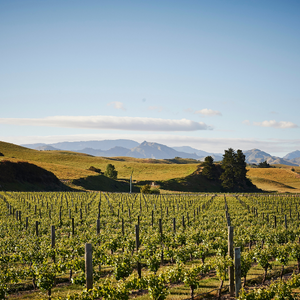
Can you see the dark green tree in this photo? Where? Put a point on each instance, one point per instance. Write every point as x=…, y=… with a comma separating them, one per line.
x=209, y=168
x=228, y=166
x=240, y=168
x=234, y=173
x=264, y=164
x=111, y=172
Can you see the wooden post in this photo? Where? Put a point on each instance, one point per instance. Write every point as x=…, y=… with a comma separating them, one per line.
x=152, y=218
x=53, y=240
x=73, y=227
x=285, y=222
x=161, y=240
x=230, y=253
x=98, y=226
x=238, y=272
x=37, y=228
x=52, y=236
x=137, y=243
x=275, y=223
x=88, y=266
x=174, y=225
x=26, y=223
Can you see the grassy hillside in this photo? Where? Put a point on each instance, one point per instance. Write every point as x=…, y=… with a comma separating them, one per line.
x=72, y=168
x=277, y=179
x=24, y=176
x=175, y=174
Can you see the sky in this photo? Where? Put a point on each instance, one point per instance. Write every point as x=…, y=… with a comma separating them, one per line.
x=211, y=75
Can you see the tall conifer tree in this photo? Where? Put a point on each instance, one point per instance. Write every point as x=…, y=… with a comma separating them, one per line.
x=228, y=166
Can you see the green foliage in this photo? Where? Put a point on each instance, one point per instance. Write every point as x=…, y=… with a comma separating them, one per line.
x=264, y=164
x=111, y=172
x=278, y=290
x=263, y=258
x=123, y=266
x=246, y=262
x=175, y=273
x=234, y=171
x=153, y=262
x=192, y=276
x=146, y=189
x=23, y=256
x=221, y=264
x=209, y=168
x=155, y=191
x=228, y=165
x=156, y=286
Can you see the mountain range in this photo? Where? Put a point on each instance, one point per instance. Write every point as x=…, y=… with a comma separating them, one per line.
x=130, y=148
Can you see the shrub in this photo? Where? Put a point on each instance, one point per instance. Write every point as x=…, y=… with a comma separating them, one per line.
x=111, y=172
x=155, y=191
x=146, y=189
x=264, y=164
x=91, y=168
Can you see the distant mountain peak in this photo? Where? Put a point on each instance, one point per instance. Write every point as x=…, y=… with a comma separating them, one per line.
x=256, y=156
x=292, y=155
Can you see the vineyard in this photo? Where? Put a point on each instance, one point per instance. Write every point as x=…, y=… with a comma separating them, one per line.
x=92, y=245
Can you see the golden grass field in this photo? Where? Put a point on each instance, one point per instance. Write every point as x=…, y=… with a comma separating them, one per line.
x=280, y=179
x=68, y=166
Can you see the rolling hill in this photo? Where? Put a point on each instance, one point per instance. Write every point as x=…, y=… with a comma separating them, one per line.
x=72, y=169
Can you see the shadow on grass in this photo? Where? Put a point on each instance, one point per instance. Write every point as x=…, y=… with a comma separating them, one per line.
x=103, y=183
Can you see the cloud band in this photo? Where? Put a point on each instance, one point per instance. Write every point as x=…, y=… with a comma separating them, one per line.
x=110, y=122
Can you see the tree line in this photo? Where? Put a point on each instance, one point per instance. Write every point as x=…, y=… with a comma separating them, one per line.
x=231, y=172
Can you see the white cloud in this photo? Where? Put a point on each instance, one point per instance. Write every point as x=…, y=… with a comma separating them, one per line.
x=208, y=112
x=275, y=124
x=247, y=122
x=117, y=105
x=110, y=122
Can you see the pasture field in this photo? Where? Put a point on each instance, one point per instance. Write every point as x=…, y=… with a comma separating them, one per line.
x=145, y=246
x=71, y=167
x=281, y=180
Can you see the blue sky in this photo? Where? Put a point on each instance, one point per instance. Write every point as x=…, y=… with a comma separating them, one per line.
x=206, y=74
